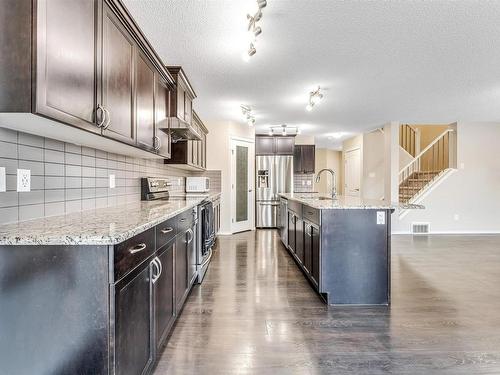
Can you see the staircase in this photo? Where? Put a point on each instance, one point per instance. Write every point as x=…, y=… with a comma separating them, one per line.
x=428, y=167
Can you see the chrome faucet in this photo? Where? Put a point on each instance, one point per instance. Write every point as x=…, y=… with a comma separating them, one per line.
x=334, y=180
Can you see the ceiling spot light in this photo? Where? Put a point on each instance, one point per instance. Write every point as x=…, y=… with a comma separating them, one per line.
x=247, y=114
x=284, y=130
x=253, y=29
x=251, y=50
x=315, y=98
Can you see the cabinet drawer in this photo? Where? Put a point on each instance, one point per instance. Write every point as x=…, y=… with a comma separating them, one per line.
x=296, y=207
x=165, y=232
x=311, y=214
x=130, y=253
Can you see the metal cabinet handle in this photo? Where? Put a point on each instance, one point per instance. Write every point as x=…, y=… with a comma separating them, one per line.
x=191, y=235
x=137, y=248
x=167, y=230
x=157, y=142
x=108, y=117
x=157, y=264
x=183, y=219
x=158, y=261
x=103, y=115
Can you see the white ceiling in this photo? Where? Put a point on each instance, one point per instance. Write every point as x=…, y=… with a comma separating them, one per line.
x=417, y=62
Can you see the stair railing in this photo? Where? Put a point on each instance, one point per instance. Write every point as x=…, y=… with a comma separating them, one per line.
x=408, y=139
x=439, y=155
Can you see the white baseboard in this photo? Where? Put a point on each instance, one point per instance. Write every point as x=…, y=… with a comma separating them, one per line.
x=452, y=232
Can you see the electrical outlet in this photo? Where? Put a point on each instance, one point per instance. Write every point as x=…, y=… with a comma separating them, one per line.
x=462, y=165
x=380, y=217
x=303, y=183
x=372, y=175
x=456, y=217
x=23, y=180
x=112, y=181
x=3, y=183
x=309, y=182
x=179, y=181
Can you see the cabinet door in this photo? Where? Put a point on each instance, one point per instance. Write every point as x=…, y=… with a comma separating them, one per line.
x=181, y=105
x=307, y=247
x=189, y=145
x=164, y=305
x=284, y=145
x=144, y=101
x=315, y=256
x=162, y=100
x=297, y=159
x=299, y=239
x=181, y=269
x=133, y=325
x=118, y=50
x=264, y=145
x=191, y=253
x=66, y=62
x=291, y=231
x=308, y=159
x=188, y=109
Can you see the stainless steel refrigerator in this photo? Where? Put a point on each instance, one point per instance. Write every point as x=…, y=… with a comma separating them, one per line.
x=274, y=174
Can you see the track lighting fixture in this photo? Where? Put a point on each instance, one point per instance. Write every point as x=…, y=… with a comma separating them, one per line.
x=315, y=97
x=247, y=114
x=284, y=130
x=253, y=29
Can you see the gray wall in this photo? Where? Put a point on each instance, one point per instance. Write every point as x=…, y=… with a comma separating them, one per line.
x=68, y=178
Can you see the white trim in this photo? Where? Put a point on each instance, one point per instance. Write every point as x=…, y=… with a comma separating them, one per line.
x=242, y=139
x=458, y=232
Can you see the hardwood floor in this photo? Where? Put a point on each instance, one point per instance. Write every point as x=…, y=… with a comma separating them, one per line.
x=256, y=314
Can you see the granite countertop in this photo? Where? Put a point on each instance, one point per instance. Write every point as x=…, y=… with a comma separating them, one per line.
x=344, y=202
x=103, y=226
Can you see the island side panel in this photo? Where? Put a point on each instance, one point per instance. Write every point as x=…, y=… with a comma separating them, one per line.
x=355, y=253
x=54, y=309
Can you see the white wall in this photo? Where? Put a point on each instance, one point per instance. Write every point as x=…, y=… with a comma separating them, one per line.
x=373, y=165
x=472, y=192
x=326, y=158
x=219, y=157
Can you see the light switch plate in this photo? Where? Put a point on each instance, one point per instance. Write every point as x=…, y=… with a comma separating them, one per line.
x=23, y=180
x=112, y=181
x=3, y=184
x=380, y=217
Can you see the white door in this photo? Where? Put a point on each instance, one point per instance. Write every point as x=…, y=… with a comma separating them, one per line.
x=352, y=173
x=242, y=185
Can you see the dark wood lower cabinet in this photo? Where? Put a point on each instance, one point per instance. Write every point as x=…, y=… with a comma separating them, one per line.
x=299, y=239
x=133, y=323
x=181, y=269
x=164, y=296
x=307, y=247
x=291, y=231
x=315, y=255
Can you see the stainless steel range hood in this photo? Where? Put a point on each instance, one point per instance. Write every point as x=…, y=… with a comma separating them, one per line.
x=181, y=130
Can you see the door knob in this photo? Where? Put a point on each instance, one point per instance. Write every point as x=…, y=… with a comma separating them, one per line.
x=250, y=190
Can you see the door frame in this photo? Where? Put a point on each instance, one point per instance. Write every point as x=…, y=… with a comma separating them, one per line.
x=358, y=149
x=250, y=223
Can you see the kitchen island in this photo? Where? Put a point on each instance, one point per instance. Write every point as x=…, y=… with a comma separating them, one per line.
x=98, y=291
x=342, y=245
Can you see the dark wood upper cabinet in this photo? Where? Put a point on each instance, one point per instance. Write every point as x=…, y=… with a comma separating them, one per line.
x=66, y=61
x=118, y=60
x=274, y=145
x=191, y=154
x=162, y=102
x=304, y=159
x=284, y=145
x=145, y=109
x=264, y=145
x=83, y=63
